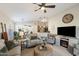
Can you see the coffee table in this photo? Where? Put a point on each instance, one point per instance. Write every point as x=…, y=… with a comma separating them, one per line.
x=46, y=52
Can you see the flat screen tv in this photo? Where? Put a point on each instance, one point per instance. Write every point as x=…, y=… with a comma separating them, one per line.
x=67, y=31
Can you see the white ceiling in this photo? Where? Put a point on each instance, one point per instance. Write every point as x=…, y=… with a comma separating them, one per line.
x=19, y=12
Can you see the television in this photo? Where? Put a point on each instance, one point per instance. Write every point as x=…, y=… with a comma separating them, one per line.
x=67, y=31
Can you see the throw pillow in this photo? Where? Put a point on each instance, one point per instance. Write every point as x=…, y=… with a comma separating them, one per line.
x=33, y=37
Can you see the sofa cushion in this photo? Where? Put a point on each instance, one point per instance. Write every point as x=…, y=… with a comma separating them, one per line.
x=33, y=43
x=3, y=48
x=10, y=45
x=3, y=51
x=33, y=37
x=16, y=51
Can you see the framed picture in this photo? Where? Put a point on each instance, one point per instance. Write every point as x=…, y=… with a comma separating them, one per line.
x=42, y=27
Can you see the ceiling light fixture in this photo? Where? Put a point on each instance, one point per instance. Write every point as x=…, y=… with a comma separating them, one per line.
x=42, y=8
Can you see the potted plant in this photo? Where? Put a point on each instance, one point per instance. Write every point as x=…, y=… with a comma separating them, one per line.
x=16, y=35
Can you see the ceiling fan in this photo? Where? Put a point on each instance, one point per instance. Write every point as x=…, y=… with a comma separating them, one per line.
x=43, y=6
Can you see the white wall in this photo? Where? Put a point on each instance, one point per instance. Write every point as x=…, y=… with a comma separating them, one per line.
x=56, y=21
x=9, y=24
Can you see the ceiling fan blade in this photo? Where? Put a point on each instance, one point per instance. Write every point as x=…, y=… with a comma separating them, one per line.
x=50, y=6
x=38, y=4
x=45, y=11
x=38, y=9
x=43, y=4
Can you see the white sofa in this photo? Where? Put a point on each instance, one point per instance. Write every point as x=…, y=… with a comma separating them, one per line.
x=34, y=42
x=16, y=51
x=39, y=40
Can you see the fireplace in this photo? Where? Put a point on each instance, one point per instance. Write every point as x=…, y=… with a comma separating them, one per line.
x=64, y=42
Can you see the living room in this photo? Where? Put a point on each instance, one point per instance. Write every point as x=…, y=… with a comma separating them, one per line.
x=43, y=29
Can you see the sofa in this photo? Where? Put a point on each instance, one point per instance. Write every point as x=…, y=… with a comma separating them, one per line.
x=39, y=39
x=34, y=42
x=15, y=51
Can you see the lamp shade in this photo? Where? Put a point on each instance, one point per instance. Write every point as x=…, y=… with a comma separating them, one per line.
x=21, y=33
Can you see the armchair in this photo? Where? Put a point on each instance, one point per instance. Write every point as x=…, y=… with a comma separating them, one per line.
x=5, y=52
